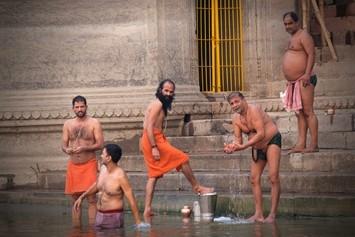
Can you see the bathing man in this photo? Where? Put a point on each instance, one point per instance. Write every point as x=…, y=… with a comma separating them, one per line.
x=297, y=67
x=112, y=185
x=265, y=140
x=159, y=156
x=82, y=136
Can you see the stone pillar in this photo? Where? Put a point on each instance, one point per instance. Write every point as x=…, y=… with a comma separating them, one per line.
x=112, y=52
x=264, y=41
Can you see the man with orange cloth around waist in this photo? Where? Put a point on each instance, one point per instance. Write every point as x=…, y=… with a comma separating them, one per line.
x=82, y=136
x=160, y=157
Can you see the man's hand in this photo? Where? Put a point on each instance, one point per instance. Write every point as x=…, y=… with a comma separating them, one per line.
x=68, y=150
x=228, y=148
x=232, y=147
x=156, y=154
x=78, y=149
x=305, y=79
x=77, y=204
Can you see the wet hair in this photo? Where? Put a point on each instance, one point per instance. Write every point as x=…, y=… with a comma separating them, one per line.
x=234, y=94
x=161, y=85
x=293, y=16
x=114, y=151
x=79, y=98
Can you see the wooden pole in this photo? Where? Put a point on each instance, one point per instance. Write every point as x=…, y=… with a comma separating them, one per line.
x=321, y=10
x=304, y=14
x=308, y=19
x=324, y=30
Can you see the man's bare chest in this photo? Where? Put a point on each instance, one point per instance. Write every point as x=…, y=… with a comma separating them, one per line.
x=80, y=132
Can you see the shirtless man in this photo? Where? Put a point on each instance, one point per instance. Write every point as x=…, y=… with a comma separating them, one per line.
x=265, y=139
x=82, y=136
x=112, y=185
x=297, y=66
x=159, y=156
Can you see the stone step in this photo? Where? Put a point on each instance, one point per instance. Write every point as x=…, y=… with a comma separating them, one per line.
x=340, y=122
x=227, y=202
x=335, y=70
x=344, y=53
x=327, y=140
x=234, y=181
x=323, y=161
x=332, y=87
x=295, y=182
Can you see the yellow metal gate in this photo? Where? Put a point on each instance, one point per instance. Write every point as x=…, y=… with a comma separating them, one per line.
x=219, y=37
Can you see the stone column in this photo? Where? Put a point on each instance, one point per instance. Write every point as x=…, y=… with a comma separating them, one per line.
x=112, y=52
x=264, y=41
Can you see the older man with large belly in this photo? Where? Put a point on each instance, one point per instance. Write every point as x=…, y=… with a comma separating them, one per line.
x=297, y=66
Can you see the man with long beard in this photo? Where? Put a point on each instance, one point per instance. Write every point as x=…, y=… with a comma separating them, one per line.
x=160, y=157
x=265, y=139
x=82, y=136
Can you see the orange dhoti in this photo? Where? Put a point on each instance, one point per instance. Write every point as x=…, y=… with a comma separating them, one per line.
x=80, y=177
x=170, y=157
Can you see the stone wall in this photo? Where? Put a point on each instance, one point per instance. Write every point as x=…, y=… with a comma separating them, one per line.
x=112, y=52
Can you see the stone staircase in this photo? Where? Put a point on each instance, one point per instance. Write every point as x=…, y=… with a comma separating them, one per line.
x=318, y=184
x=336, y=77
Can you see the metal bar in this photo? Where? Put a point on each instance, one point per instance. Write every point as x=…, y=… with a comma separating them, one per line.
x=213, y=21
x=235, y=79
x=230, y=36
x=217, y=43
x=240, y=45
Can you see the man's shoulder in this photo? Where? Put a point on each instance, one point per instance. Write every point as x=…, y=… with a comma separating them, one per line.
x=255, y=109
x=69, y=122
x=119, y=172
x=305, y=35
x=156, y=103
x=93, y=120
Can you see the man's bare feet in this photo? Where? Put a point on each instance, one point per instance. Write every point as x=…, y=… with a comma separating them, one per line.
x=199, y=189
x=296, y=149
x=256, y=218
x=148, y=213
x=311, y=149
x=270, y=219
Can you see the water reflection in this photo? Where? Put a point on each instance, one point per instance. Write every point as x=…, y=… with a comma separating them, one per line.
x=90, y=231
x=40, y=220
x=263, y=230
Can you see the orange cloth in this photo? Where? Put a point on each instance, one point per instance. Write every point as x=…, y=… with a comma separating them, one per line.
x=80, y=176
x=170, y=157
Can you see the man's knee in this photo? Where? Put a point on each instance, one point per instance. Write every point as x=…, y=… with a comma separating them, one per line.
x=274, y=179
x=255, y=180
x=308, y=113
x=91, y=200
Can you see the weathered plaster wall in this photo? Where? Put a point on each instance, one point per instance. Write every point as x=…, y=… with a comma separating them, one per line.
x=65, y=44
x=112, y=52
x=264, y=43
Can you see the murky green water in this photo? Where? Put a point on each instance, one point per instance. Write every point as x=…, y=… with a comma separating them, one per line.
x=45, y=220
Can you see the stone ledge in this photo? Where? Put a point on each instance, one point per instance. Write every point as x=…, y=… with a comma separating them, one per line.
x=227, y=203
x=179, y=108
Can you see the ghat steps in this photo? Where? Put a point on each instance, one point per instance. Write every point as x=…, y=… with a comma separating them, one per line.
x=320, y=184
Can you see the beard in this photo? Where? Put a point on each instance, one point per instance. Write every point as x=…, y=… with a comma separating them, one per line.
x=80, y=114
x=166, y=101
x=238, y=110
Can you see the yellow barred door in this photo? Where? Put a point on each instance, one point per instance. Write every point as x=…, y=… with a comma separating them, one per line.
x=219, y=38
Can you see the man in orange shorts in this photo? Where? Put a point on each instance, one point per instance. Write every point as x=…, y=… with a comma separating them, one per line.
x=82, y=136
x=160, y=157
